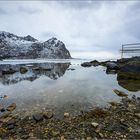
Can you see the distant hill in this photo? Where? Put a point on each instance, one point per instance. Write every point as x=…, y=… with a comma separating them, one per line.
x=13, y=46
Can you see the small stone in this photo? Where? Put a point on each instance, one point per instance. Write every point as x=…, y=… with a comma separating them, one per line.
x=12, y=121
x=137, y=115
x=24, y=136
x=31, y=134
x=66, y=115
x=101, y=135
x=122, y=120
x=11, y=107
x=48, y=115
x=5, y=114
x=62, y=138
x=94, y=124
x=113, y=103
x=10, y=126
x=89, y=138
x=2, y=109
x=55, y=133
x=131, y=107
x=19, y=130
x=130, y=129
x=38, y=117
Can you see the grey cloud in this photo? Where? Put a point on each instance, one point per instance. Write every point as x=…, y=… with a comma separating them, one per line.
x=48, y=34
x=28, y=11
x=3, y=12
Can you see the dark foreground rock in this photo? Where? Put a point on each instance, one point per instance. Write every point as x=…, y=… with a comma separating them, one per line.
x=119, y=121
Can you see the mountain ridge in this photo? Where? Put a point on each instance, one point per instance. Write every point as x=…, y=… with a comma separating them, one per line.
x=13, y=46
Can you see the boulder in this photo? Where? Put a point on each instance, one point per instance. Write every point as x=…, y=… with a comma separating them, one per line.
x=86, y=64
x=112, y=66
x=23, y=70
x=95, y=63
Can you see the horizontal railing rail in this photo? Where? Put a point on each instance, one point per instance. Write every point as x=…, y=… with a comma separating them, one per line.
x=130, y=48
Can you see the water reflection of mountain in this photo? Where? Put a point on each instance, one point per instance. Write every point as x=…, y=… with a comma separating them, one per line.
x=10, y=74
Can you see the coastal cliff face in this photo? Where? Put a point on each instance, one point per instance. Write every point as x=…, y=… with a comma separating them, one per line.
x=13, y=46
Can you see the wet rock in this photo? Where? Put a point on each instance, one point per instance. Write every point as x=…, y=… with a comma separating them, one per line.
x=94, y=63
x=2, y=109
x=11, y=107
x=38, y=117
x=112, y=65
x=94, y=124
x=48, y=115
x=23, y=70
x=120, y=93
x=86, y=64
x=10, y=122
x=117, y=127
x=4, y=97
x=109, y=71
x=10, y=71
x=72, y=69
x=36, y=68
x=5, y=114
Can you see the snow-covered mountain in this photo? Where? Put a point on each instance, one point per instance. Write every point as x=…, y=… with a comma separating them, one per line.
x=13, y=46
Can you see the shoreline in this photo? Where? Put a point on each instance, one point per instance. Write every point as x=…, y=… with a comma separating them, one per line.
x=119, y=121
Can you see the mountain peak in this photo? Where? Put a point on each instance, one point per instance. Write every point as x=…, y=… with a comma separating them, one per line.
x=13, y=46
x=30, y=38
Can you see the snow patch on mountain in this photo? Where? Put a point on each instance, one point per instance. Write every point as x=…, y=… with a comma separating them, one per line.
x=13, y=46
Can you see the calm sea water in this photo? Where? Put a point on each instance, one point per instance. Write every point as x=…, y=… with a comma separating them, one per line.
x=59, y=86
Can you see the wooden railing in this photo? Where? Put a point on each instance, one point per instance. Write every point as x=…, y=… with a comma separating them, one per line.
x=130, y=48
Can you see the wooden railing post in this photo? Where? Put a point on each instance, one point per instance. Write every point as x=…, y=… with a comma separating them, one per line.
x=122, y=52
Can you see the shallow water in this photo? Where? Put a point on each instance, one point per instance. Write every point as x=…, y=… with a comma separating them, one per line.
x=60, y=86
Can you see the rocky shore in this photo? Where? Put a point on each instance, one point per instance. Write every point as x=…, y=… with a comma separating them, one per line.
x=126, y=67
x=118, y=121
x=127, y=70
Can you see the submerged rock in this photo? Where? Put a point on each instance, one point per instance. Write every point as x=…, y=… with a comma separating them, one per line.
x=11, y=107
x=120, y=93
x=38, y=117
x=48, y=115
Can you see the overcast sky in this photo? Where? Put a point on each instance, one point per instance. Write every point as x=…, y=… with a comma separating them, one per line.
x=88, y=28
